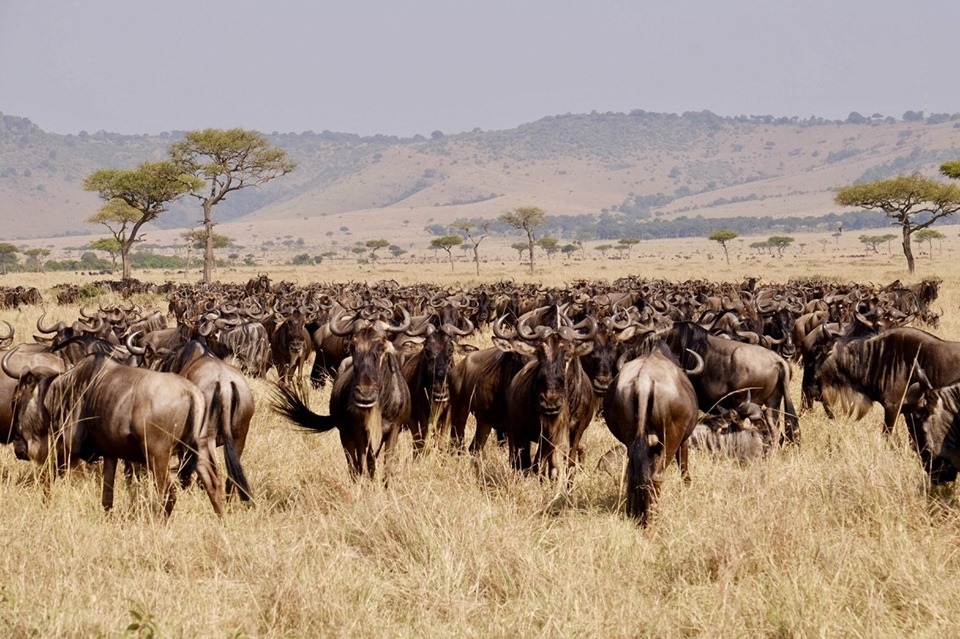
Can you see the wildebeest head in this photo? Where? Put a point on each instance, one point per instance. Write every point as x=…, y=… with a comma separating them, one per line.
x=837, y=379
x=369, y=350
x=31, y=420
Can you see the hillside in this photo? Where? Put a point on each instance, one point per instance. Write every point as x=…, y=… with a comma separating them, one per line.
x=644, y=165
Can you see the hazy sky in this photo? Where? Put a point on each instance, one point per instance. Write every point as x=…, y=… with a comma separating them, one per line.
x=402, y=67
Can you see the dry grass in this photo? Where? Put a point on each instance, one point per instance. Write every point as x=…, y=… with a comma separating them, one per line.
x=835, y=537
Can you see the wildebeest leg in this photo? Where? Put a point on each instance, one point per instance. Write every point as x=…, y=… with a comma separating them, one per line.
x=480, y=437
x=683, y=462
x=890, y=414
x=109, y=476
x=390, y=453
x=209, y=475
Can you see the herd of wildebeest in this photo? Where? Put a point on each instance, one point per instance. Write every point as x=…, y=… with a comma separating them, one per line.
x=667, y=366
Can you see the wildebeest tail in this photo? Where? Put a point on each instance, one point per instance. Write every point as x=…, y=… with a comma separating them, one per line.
x=790, y=420
x=222, y=414
x=640, y=452
x=190, y=456
x=288, y=402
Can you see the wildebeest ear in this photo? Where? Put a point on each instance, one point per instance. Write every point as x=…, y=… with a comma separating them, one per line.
x=583, y=348
x=466, y=348
x=914, y=395
x=510, y=346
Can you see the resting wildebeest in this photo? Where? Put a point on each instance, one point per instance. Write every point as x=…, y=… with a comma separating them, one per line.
x=651, y=408
x=742, y=433
x=100, y=408
x=731, y=369
x=370, y=400
x=856, y=371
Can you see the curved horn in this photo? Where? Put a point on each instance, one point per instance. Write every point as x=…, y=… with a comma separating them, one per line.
x=135, y=350
x=8, y=335
x=698, y=368
x=404, y=323
x=498, y=328
x=453, y=331
x=341, y=324
x=41, y=328
x=5, y=365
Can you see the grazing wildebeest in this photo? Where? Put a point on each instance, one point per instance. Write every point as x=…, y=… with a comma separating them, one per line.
x=229, y=402
x=652, y=409
x=370, y=400
x=100, y=408
x=550, y=401
x=731, y=369
x=857, y=371
x=933, y=422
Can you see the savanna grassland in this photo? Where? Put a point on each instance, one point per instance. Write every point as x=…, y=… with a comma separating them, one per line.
x=838, y=536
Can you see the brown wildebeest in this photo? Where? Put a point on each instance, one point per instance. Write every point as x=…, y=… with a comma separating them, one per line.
x=370, y=400
x=743, y=433
x=290, y=347
x=854, y=372
x=652, y=409
x=22, y=357
x=551, y=400
x=100, y=408
x=229, y=402
x=426, y=372
x=733, y=368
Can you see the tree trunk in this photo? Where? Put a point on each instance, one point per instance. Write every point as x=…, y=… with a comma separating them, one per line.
x=208, y=245
x=125, y=261
x=725, y=254
x=476, y=259
x=907, y=250
x=530, y=249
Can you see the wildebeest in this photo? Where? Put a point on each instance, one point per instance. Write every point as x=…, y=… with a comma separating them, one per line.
x=290, y=347
x=23, y=357
x=229, y=402
x=426, y=372
x=742, y=433
x=550, y=401
x=731, y=369
x=370, y=400
x=100, y=408
x=933, y=422
x=651, y=408
x=856, y=371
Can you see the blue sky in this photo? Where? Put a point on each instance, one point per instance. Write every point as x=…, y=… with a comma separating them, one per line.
x=407, y=67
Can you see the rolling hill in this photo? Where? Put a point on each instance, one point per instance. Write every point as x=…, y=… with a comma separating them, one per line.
x=641, y=164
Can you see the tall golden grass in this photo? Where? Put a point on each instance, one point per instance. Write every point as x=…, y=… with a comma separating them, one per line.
x=838, y=536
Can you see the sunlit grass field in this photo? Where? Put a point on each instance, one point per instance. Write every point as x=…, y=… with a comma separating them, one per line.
x=839, y=536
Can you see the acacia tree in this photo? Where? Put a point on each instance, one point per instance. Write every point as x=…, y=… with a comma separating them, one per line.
x=36, y=257
x=109, y=245
x=373, y=245
x=8, y=255
x=928, y=236
x=550, y=245
x=721, y=237
x=134, y=197
x=447, y=242
x=520, y=247
x=628, y=242
x=527, y=219
x=780, y=242
x=474, y=234
x=226, y=161
x=905, y=197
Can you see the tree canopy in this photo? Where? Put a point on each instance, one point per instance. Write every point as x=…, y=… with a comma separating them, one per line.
x=527, y=219
x=721, y=237
x=913, y=201
x=226, y=161
x=134, y=197
x=447, y=242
